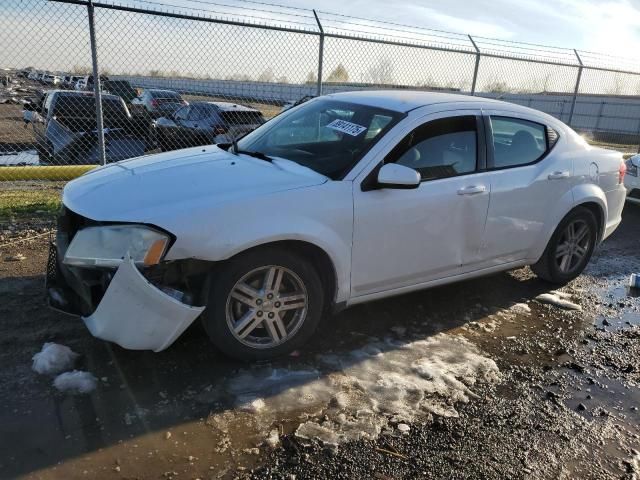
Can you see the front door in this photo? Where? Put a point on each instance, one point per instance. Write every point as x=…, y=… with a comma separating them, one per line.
x=408, y=237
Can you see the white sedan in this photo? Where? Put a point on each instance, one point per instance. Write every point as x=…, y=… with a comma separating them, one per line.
x=343, y=199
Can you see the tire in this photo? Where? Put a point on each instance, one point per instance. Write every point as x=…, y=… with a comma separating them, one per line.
x=264, y=317
x=553, y=266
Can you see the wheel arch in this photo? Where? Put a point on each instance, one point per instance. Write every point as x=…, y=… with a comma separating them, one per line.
x=319, y=257
x=588, y=196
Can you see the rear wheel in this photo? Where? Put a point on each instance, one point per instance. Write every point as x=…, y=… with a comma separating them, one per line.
x=569, y=249
x=263, y=304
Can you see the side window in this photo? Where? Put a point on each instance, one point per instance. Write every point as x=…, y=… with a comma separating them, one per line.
x=517, y=142
x=196, y=113
x=182, y=113
x=439, y=149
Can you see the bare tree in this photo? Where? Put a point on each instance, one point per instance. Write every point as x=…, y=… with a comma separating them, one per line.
x=339, y=74
x=381, y=73
x=80, y=70
x=311, y=77
x=267, y=76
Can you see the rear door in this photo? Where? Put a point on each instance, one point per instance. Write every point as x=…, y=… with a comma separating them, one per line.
x=528, y=180
x=198, y=125
x=176, y=135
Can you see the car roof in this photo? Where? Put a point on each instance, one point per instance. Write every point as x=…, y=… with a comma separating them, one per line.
x=406, y=100
x=228, y=106
x=162, y=90
x=68, y=93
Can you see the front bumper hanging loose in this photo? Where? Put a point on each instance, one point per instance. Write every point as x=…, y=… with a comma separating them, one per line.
x=137, y=315
x=133, y=312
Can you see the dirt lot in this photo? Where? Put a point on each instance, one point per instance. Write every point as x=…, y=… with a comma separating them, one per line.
x=473, y=380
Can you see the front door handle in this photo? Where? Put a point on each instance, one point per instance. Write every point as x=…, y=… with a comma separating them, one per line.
x=472, y=190
x=558, y=175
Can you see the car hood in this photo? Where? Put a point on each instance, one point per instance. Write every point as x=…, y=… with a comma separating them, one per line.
x=152, y=188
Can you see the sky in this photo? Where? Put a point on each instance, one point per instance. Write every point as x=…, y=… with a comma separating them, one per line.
x=610, y=27
x=53, y=36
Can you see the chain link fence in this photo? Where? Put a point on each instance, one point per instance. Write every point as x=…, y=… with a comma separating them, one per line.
x=175, y=76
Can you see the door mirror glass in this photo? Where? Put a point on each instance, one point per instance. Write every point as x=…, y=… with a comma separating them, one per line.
x=393, y=175
x=635, y=161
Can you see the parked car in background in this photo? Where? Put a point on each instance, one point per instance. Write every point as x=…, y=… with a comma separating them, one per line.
x=81, y=84
x=632, y=179
x=295, y=103
x=121, y=88
x=51, y=79
x=347, y=198
x=69, y=81
x=158, y=103
x=86, y=82
x=206, y=123
x=65, y=129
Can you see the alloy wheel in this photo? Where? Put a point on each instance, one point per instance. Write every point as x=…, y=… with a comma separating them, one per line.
x=573, y=246
x=266, y=307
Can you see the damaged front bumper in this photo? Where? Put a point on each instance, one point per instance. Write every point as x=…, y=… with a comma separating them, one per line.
x=132, y=312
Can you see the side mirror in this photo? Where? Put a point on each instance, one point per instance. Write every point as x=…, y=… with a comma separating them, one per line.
x=635, y=161
x=28, y=106
x=393, y=175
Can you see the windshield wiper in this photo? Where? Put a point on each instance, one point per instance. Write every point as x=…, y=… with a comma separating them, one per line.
x=259, y=155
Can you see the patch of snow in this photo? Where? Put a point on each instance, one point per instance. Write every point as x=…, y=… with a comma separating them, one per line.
x=358, y=393
x=489, y=325
x=273, y=440
x=75, y=382
x=314, y=431
x=403, y=427
x=520, y=308
x=29, y=157
x=558, y=299
x=53, y=359
x=251, y=405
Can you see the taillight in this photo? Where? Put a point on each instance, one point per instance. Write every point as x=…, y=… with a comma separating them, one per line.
x=621, y=172
x=220, y=129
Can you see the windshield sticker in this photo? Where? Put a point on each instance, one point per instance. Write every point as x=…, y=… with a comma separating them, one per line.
x=349, y=128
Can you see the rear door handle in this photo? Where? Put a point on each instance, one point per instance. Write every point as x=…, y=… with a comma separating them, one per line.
x=558, y=175
x=472, y=190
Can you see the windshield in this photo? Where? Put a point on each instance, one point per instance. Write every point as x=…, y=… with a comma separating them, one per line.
x=325, y=135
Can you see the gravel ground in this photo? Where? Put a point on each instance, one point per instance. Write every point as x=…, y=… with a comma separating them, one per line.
x=564, y=405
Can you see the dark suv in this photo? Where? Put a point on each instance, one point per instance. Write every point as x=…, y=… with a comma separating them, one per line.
x=65, y=129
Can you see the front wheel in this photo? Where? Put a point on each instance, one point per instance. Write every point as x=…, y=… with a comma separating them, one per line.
x=263, y=304
x=569, y=249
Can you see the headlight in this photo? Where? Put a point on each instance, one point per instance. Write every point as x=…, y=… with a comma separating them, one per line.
x=106, y=246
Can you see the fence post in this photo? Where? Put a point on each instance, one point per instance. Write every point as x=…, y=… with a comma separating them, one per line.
x=475, y=70
x=320, y=55
x=577, y=89
x=96, y=85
